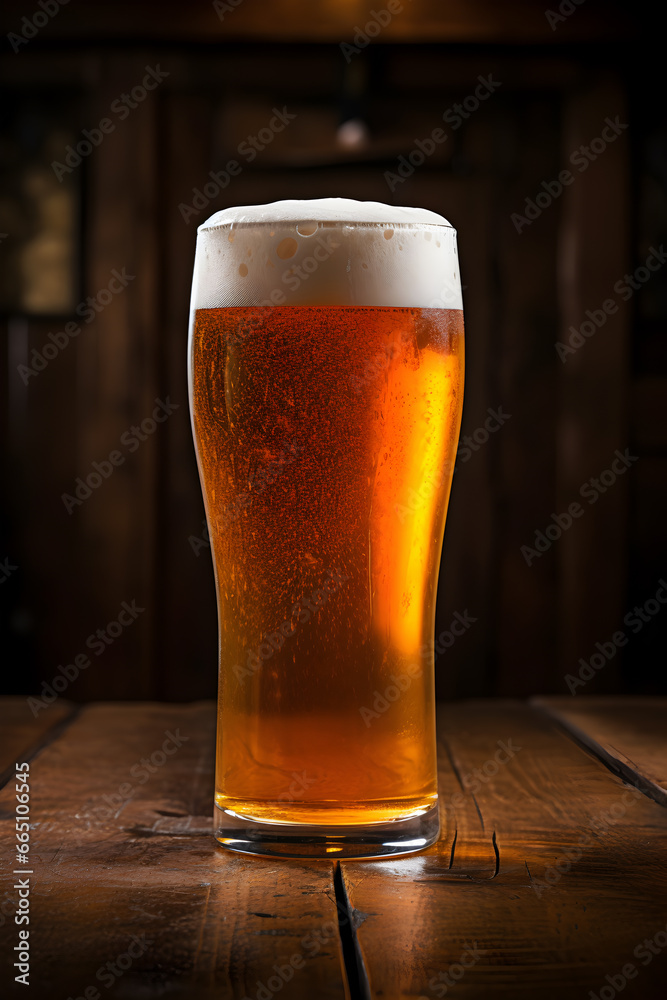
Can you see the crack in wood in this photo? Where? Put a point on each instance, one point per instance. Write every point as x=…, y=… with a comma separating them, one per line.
x=479, y=811
x=589, y=744
x=148, y=831
x=497, y=854
x=452, y=762
x=49, y=737
x=528, y=870
x=451, y=856
x=358, y=983
x=455, y=769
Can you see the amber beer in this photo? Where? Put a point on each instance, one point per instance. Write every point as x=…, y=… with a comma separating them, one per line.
x=321, y=407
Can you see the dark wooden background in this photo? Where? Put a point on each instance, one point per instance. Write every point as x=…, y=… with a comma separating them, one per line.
x=120, y=209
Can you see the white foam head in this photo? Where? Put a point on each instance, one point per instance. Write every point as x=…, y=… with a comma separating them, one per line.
x=330, y=251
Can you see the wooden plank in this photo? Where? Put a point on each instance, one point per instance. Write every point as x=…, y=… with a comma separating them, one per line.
x=629, y=734
x=22, y=733
x=524, y=928
x=118, y=851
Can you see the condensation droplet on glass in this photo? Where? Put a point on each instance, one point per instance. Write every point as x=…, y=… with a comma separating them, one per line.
x=287, y=248
x=306, y=229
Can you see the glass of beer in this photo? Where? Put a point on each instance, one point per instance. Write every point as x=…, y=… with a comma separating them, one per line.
x=326, y=384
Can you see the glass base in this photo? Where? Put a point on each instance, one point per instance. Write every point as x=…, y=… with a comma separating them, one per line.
x=281, y=840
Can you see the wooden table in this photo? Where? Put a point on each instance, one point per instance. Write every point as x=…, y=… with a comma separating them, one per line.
x=550, y=879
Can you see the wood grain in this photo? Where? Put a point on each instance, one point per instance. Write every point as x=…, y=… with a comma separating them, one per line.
x=594, y=382
x=112, y=862
x=629, y=735
x=22, y=733
x=525, y=385
x=493, y=891
x=548, y=878
x=118, y=385
x=186, y=590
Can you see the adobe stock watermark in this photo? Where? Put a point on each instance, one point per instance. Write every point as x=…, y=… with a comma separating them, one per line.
x=302, y=611
x=88, y=309
x=469, y=444
x=399, y=683
x=591, y=491
x=97, y=642
x=6, y=570
x=141, y=772
x=120, y=107
x=635, y=620
x=599, y=825
x=310, y=945
x=378, y=19
x=580, y=158
x=444, y=981
x=383, y=700
x=625, y=288
x=454, y=116
x=293, y=276
x=259, y=481
x=458, y=627
x=300, y=782
x=130, y=439
x=222, y=7
x=376, y=366
x=645, y=952
x=8, y=907
x=30, y=26
x=110, y=972
x=473, y=780
x=565, y=9
x=247, y=149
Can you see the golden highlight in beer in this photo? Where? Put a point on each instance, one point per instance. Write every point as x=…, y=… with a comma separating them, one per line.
x=320, y=412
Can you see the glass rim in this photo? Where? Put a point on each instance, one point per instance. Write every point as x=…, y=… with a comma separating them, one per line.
x=340, y=223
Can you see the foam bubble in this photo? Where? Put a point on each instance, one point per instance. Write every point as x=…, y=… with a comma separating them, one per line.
x=331, y=251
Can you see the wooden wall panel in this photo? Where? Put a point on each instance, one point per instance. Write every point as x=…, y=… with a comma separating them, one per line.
x=593, y=413
x=130, y=539
x=186, y=643
x=525, y=380
x=117, y=383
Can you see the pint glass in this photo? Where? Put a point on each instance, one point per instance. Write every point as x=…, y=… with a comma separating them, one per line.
x=326, y=382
